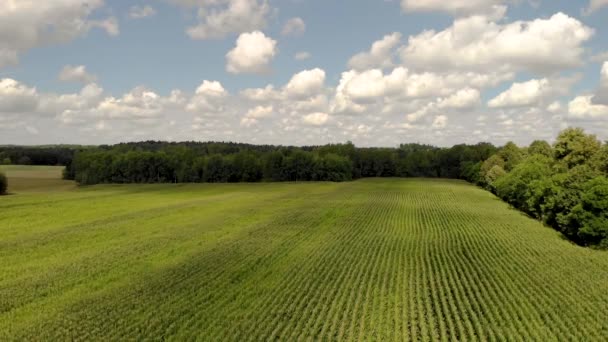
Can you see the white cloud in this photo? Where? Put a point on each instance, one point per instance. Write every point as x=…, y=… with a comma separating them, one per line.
x=303, y=55
x=255, y=114
x=583, y=108
x=478, y=44
x=209, y=98
x=16, y=97
x=294, y=27
x=139, y=12
x=138, y=103
x=26, y=24
x=521, y=94
x=380, y=54
x=534, y=92
x=454, y=7
x=463, y=99
x=316, y=119
x=260, y=112
x=305, y=83
x=594, y=5
x=69, y=106
x=371, y=86
x=77, y=74
x=252, y=54
x=218, y=18
x=262, y=94
x=440, y=122
x=555, y=107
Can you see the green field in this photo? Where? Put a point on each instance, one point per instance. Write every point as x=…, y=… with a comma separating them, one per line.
x=377, y=259
x=25, y=178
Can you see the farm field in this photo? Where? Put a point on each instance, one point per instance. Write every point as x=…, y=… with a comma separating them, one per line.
x=375, y=259
x=29, y=178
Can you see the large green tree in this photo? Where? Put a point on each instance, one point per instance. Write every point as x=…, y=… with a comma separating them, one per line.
x=574, y=147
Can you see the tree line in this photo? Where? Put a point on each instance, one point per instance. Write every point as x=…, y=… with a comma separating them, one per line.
x=158, y=162
x=37, y=155
x=564, y=185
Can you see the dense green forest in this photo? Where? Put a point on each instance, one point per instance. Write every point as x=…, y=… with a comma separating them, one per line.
x=565, y=184
x=157, y=162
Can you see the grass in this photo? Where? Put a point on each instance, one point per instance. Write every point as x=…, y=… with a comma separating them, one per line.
x=26, y=178
x=367, y=260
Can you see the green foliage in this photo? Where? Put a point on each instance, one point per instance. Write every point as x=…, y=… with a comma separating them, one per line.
x=491, y=169
x=591, y=214
x=574, y=147
x=514, y=187
x=540, y=147
x=512, y=155
x=3, y=184
x=471, y=172
x=565, y=188
x=332, y=167
x=157, y=162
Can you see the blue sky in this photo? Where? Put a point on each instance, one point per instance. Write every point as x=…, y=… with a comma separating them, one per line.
x=519, y=71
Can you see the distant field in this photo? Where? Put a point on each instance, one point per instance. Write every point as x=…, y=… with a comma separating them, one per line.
x=381, y=259
x=27, y=178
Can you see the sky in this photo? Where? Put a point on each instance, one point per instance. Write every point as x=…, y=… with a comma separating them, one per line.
x=302, y=72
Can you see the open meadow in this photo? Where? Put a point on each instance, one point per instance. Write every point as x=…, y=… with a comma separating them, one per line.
x=35, y=178
x=374, y=259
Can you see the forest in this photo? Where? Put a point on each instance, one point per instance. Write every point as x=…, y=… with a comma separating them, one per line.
x=564, y=185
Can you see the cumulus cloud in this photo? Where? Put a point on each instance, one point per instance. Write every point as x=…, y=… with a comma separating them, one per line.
x=209, y=98
x=463, y=99
x=260, y=112
x=478, y=44
x=252, y=54
x=582, y=107
x=16, y=97
x=138, y=103
x=454, y=7
x=26, y=24
x=521, y=94
x=531, y=93
x=262, y=94
x=255, y=114
x=555, y=107
x=71, y=108
x=356, y=89
x=140, y=12
x=316, y=119
x=380, y=54
x=294, y=27
x=305, y=83
x=78, y=74
x=219, y=18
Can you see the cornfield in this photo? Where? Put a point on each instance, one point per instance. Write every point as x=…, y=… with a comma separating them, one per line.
x=429, y=260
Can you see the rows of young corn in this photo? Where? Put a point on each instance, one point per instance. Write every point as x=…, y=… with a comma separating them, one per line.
x=370, y=260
